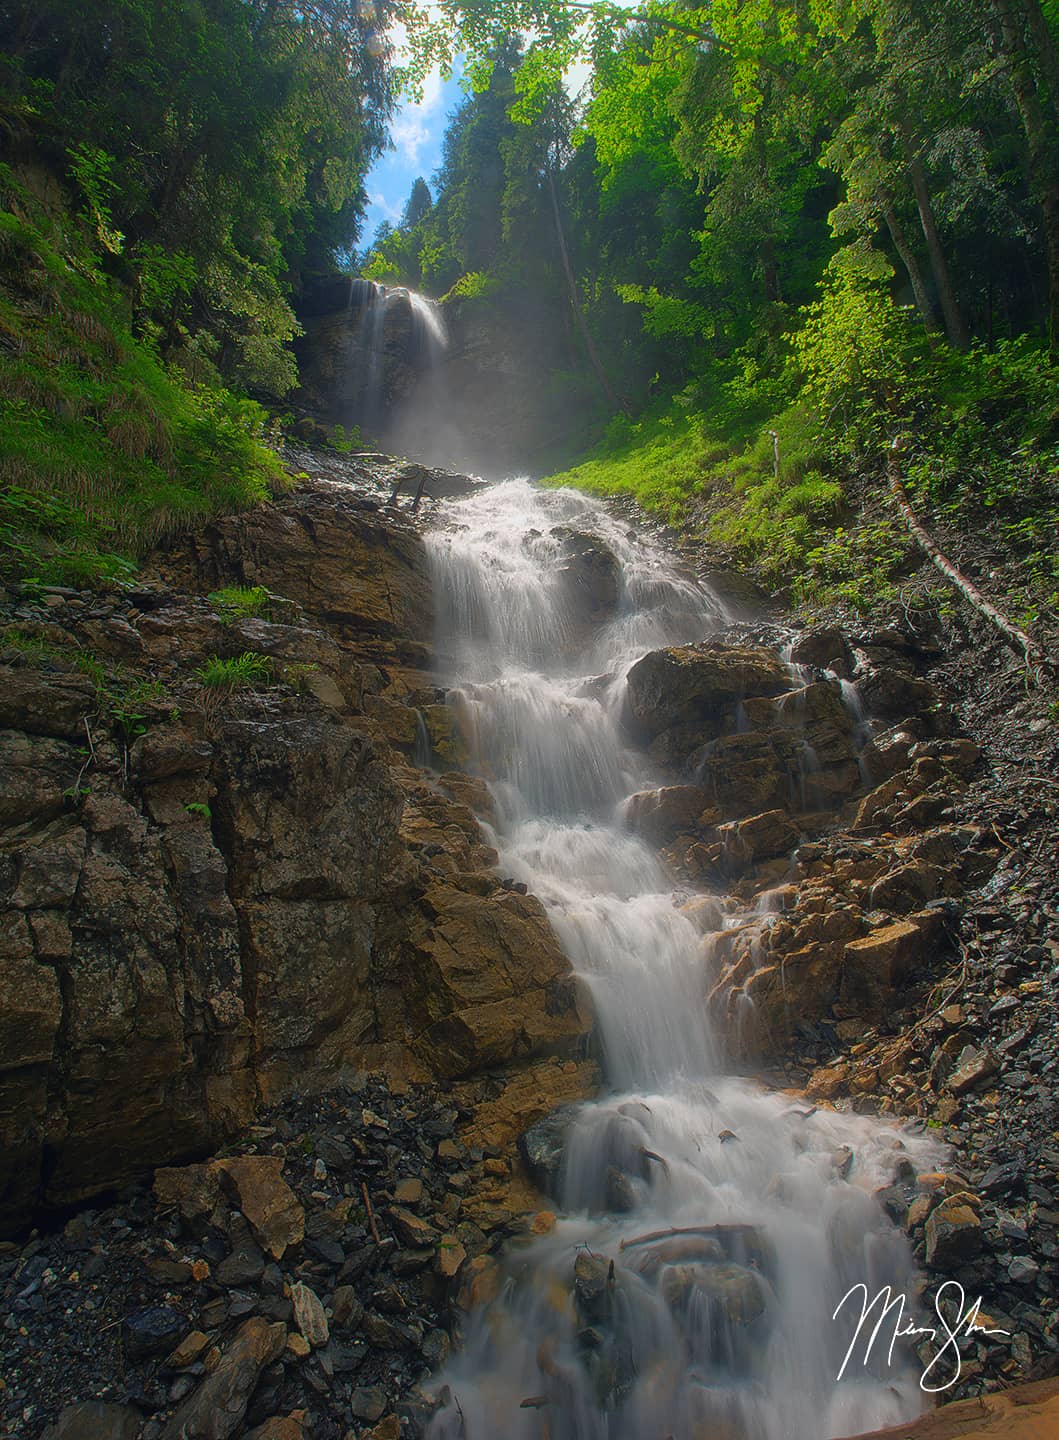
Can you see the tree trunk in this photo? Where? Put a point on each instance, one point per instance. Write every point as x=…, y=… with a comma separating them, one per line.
x=1043, y=153
x=955, y=328
x=575, y=300
x=1047, y=54
x=911, y=264
x=1031, y=651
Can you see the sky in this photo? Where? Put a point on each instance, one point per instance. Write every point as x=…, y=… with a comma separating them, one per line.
x=416, y=132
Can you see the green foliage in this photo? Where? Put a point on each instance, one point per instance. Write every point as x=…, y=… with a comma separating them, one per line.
x=345, y=439
x=235, y=602
x=196, y=807
x=243, y=672
x=217, y=153
x=659, y=460
x=104, y=450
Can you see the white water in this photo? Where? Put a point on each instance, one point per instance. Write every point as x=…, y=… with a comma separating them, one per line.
x=541, y=694
x=427, y=341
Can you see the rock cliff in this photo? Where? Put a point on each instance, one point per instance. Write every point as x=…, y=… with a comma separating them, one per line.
x=223, y=885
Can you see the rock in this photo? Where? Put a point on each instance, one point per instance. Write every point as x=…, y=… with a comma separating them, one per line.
x=760, y=837
x=193, y=1345
x=589, y=575
x=215, y=1410
x=487, y=984
x=346, y=1309
x=974, y=1067
x=278, y=1428
x=450, y=1257
x=151, y=1331
x=408, y=1192
x=953, y=1234
x=820, y=647
x=368, y=1402
x=411, y=1229
x=876, y=966
x=1023, y=1270
x=695, y=684
x=309, y=1314
x=659, y=816
x=731, y=1290
x=269, y=1204
x=348, y=566
x=95, y=1420
x=542, y=1145
x=895, y=695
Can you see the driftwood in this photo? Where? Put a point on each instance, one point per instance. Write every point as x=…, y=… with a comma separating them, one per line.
x=709, y=1230
x=370, y=1212
x=1033, y=655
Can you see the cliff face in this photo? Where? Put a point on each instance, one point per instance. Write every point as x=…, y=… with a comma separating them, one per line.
x=214, y=897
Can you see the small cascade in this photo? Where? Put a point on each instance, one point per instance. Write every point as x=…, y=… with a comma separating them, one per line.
x=709, y=1227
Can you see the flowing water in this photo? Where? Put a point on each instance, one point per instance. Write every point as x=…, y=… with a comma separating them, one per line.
x=375, y=310
x=724, y=1329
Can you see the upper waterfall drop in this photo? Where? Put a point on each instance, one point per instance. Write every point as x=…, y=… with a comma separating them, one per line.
x=710, y=1232
x=396, y=340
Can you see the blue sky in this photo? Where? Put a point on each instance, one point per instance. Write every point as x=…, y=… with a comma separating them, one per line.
x=416, y=132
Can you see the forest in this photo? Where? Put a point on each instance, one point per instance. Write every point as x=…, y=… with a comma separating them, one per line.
x=764, y=241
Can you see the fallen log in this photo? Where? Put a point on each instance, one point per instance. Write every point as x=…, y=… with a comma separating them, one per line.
x=1033, y=655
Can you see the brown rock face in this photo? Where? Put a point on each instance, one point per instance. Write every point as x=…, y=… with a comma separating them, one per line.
x=330, y=550
x=877, y=965
x=253, y=894
x=487, y=982
x=659, y=816
x=695, y=683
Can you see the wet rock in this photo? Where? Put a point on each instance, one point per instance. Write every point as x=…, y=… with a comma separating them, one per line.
x=95, y=1420
x=821, y=647
x=695, y=684
x=215, y=1410
x=659, y=816
x=278, y=1428
x=542, y=1145
x=953, y=1234
x=731, y=1290
x=489, y=980
x=589, y=574
x=874, y=967
x=760, y=837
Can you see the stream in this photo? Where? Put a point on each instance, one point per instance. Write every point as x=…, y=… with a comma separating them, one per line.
x=709, y=1227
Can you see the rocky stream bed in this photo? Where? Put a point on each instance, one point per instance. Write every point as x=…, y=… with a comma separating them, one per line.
x=258, y=936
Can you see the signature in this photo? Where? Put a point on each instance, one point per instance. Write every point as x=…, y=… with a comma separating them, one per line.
x=887, y=1307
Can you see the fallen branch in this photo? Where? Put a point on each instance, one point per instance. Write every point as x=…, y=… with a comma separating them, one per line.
x=710, y=1230
x=1032, y=653
x=370, y=1212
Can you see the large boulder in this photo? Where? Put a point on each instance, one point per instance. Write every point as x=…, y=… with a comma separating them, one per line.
x=659, y=816
x=349, y=565
x=486, y=982
x=697, y=684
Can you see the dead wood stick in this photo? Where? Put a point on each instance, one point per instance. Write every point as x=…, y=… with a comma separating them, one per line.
x=681, y=1230
x=371, y=1213
x=534, y=1402
x=1033, y=655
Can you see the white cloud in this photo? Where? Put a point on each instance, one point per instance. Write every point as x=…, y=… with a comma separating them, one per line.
x=390, y=211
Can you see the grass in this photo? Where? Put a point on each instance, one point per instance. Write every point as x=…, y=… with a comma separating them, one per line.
x=243, y=672
x=123, y=699
x=103, y=449
x=237, y=602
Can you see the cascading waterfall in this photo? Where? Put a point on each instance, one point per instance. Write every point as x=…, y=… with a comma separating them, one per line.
x=710, y=1227
x=379, y=312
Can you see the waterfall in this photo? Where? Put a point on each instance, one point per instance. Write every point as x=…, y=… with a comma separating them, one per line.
x=710, y=1227
x=399, y=340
